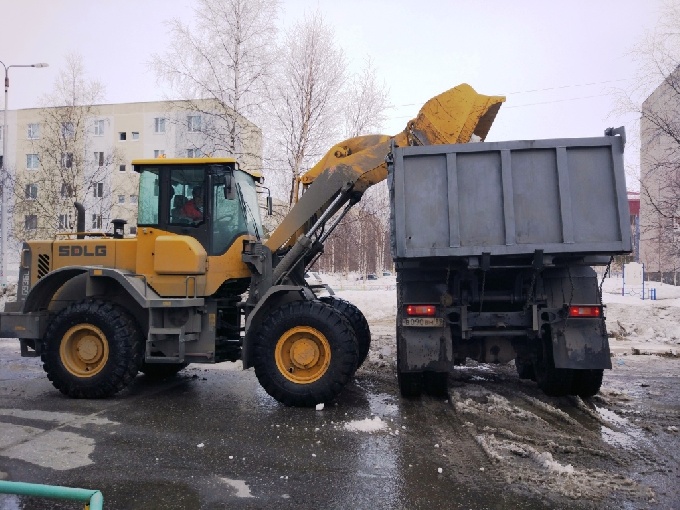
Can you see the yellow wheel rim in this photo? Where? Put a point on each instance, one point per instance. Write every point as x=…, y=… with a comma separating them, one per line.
x=303, y=354
x=84, y=350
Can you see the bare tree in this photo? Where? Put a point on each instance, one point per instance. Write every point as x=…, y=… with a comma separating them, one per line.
x=306, y=106
x=221, y=67
x=63, y=167
x=366, y=102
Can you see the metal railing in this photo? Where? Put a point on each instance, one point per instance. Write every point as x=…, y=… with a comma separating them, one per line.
x=94, y=499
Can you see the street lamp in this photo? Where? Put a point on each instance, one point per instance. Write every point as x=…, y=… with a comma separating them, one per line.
x=3, y=177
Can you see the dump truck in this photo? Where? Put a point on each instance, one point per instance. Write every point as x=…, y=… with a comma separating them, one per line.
x=200, y=283
x=494, y=246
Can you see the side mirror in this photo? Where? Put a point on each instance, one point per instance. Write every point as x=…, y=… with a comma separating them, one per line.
x=229, y=191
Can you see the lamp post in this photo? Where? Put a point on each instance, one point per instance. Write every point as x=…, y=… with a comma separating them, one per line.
x=3, y=177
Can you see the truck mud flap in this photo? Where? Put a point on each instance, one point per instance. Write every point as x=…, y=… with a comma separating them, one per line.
x=424, y=349
x=580, y=344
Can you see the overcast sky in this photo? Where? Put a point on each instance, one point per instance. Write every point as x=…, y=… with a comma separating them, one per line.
x=555, y=61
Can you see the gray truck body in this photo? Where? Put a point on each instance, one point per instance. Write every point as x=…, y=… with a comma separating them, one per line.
x=561, y=196
x=499, y=239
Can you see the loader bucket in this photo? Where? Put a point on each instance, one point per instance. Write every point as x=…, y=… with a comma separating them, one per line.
x=454, y=116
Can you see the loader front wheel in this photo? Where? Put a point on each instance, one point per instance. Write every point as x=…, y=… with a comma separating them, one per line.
x=356, y=320
x=305, y=353
x=92, y=349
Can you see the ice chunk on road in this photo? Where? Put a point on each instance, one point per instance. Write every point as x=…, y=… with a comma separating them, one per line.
x=367, y=425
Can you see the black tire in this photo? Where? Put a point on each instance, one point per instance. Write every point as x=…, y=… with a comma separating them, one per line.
x=356, y=320
x=92, y=349
x=326, y=358
x=554, y=382
x=158, y=371
x=436, y=383
x=525, y=369
x=410, y=383
x=587, y=383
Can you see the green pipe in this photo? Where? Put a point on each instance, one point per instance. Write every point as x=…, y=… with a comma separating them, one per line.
x=94, y=498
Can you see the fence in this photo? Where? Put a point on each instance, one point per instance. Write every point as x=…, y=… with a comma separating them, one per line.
x=94, y=499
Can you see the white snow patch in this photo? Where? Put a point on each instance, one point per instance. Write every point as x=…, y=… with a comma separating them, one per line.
x=242, y=489
x=367, y=425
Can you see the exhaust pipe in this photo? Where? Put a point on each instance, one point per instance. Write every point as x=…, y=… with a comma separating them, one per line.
x=80, y=220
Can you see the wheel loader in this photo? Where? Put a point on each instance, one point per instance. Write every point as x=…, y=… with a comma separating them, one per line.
x=209, y=287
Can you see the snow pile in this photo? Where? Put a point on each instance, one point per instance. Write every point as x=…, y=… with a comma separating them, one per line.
x=369, y=425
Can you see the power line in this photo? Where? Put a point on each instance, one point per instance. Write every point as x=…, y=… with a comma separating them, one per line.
x=560, y=87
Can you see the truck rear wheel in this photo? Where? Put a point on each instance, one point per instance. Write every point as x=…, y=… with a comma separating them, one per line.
x=305, y=353
x=554, y=382
x=92, y=349
x=525, y=369
x=587, y=383
x=356, y=320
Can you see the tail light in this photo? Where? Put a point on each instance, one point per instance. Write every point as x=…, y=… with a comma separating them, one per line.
x=421, y=310
x=585, y=311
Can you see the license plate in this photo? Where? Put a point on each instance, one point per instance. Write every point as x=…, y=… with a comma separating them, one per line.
x=423, y=322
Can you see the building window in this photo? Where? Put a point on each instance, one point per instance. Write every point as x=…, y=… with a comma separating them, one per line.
x=99, y=128
x=30, y=222
x=159, y=153
x=194, y=123
x=32, y=161
x=159, y=125
x=65, y=221
x=135, y=135
x=121, y=168
x=66, y=159
x=133, y=230
x=96, y=221
x=193, y=153
x=122, y=136
x=99, y=158
x=31, y=191
x=68, y=130
x=133, y=199
x=33, y=131
x=98, y=189
x=121, y=199
x=66, y=190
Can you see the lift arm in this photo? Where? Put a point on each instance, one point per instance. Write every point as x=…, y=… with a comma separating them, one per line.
x=351, y=167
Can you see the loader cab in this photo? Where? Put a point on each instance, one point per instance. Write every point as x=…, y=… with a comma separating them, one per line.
x=209, y=199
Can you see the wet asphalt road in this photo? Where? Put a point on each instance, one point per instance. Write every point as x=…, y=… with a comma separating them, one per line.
x=213, y=439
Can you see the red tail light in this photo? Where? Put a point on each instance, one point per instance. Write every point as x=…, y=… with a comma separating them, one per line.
x=585, y=311
x=421, y=310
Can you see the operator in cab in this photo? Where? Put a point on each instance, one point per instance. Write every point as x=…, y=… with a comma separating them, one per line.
x=193, y=209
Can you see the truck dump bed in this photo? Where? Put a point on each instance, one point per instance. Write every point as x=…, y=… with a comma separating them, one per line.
x=562, y=196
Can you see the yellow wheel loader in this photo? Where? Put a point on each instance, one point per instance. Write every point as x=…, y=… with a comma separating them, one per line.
x=200, y=284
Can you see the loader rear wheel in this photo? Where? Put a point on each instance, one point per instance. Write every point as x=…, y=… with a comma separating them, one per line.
x=305, y=353
x=436, y=383
x=158, y=371
x=587, y=383
x=356, y=320
x=92, y=349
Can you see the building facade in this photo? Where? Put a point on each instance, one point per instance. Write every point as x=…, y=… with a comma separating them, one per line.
x=659, y=181
x=97, y=170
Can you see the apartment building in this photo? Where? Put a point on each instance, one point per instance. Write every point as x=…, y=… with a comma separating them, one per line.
x=659, y=222
x=112, y=136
